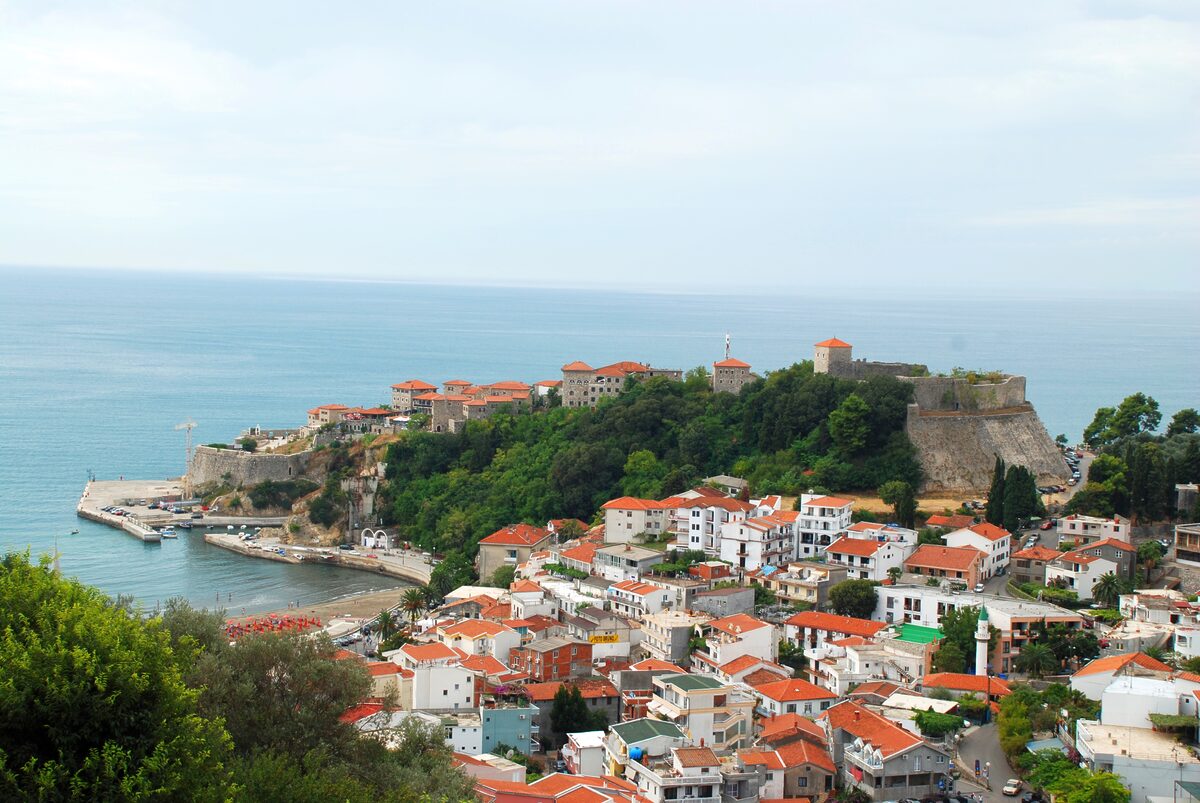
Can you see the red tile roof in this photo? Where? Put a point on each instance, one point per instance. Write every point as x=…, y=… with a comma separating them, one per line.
x=539, y=692
x=521, y=586
x=636, y=587
x=731, y=363
x=959, y=681
x=632, y=503
x=883, y=734
x=379, y=669
x=785, y=726
x=828, y=501
x=989, y=531
x=655, y=665
x=696, y=757
x=584, y=553
x=792, y=689
x=518, y=535
x=1115, y=663
x=434, y=651
x=958, y=522
x=957, y=558
x=833, y=343
x=360, y=711
x=836, y=624
x=1113, y=542
x=878, y=688
x=1038, y=552
x=578, y=365
x=474, y=628
x=737, y=624
x=861, y=547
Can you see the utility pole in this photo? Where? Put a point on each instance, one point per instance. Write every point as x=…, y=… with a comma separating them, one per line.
x=187, y=426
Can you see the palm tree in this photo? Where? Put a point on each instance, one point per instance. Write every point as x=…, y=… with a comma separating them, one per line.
x=1036, y=660
x=1107, y=589
x=386, y=623
x=413, y=603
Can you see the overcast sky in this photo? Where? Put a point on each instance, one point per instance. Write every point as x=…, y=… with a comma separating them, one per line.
x=636, y=144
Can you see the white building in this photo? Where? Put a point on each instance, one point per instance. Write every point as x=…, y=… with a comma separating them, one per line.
x=994, y=542
x=1148, y=762
x=636, y=599
x=479, y=637
x=618, y=562
x=711, y=712
x=1079, y=571
x=919, y=605
x=867, y=559
x=432, y=679
x=882, y=532
x=1081, y=530
x=697, y=522
x=813, y=630
x=732, y=637
x=822, y=519
x=530, y=599
x=628, y=517
x=753, y=543
x=584, y=753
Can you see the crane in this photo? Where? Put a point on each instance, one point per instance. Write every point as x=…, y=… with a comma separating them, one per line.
x=187, y=426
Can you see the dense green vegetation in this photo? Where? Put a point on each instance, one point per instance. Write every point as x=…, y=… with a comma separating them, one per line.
x=271, y=494
x=100, y=703
x=1013, y=497
x=788, y=432
x=1027, y=711
x=1136, y=470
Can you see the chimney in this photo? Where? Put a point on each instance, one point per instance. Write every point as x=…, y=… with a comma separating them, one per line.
x=856, y=716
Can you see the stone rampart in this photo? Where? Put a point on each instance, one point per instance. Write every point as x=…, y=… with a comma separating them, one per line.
x=958, y=452
x=210, y=465
x=862, y=369
x=954, y=393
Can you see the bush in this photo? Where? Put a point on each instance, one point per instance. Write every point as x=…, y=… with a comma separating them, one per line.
x=934, y=724
x=271, y=494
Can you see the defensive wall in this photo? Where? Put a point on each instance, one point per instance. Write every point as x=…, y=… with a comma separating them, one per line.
x=958, y=394
x=239, y=468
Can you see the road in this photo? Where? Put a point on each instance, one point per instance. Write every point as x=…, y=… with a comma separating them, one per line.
x=983, y=744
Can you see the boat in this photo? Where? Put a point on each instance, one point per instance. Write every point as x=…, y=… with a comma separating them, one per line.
x=185, y=525
x=74, y=532
x=168, y=532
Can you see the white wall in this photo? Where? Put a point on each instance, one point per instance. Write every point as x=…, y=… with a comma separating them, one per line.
x=442, y=687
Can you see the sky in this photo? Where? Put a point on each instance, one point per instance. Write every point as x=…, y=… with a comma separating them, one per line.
x=760, y=146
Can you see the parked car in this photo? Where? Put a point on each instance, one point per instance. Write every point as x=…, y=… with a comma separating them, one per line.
x=197, y=515
x=345, y=546
x=1045, y=525
x=979, y=588
x=1012, y=787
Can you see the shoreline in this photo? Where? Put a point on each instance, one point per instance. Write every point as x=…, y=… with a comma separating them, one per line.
x=363, y=605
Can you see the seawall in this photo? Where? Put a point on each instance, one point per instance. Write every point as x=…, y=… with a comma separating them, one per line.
x=239, y=468
x=958, y=451
x=267, y=548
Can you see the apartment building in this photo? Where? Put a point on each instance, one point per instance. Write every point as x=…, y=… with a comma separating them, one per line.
x=712, y=713
x=585, y=386
x=635, y=599
x=510, y=546
x=822, y=519
x=1077, y=531
x=994, y=542
x=554, y=658
x=732, y=637
x=624, y=562
x=403, y=394
x=753, y=543
x=697, y=522
x=1079, y=572
x=628, y=517
x=882, y=759
x=812, y=630
x=959, y=565
x=666, y=634
x=609, y=634
x=479, y=637
x=801, y=582
x=867, y=559
x=793, y=696
x=1029, y=565
x=1187, y=544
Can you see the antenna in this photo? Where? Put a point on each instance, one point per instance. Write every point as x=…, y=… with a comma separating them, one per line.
x=187, y=426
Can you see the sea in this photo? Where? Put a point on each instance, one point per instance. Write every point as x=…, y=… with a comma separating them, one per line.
x=98, y=367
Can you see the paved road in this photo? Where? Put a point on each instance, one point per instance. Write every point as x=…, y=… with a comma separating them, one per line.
x=983, y=744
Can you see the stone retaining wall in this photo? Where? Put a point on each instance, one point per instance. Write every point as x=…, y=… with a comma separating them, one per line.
x=210, y=465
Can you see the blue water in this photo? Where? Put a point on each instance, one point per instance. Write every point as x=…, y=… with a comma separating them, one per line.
x=96, y=369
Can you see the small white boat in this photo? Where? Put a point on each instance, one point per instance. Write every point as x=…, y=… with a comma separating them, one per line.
x=169, y=533
x=74, y=532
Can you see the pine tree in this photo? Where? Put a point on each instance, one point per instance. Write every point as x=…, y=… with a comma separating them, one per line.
x=995, y=504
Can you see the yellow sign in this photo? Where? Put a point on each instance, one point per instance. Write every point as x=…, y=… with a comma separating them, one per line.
x=611, y=638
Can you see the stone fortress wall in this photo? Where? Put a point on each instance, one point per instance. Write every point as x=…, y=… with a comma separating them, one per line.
x=210, y=465
x=959, y=427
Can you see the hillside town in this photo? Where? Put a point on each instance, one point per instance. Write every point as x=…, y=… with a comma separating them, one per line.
x=706, y=647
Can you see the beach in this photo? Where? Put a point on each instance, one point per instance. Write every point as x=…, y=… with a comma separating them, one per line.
x=365, y=605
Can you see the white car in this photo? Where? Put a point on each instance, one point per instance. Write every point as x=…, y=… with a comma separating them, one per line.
x=979, y=588
x=1013, y=787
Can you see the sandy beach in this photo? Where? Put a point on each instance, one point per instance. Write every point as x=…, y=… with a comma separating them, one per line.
x=362, y=606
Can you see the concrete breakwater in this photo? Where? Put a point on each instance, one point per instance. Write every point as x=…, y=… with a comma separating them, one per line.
x=405, y=566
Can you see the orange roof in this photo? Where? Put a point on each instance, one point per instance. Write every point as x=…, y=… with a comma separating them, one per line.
x=833, y=343
x=836, y=624
x=742, y=663
x=588, y=688
x=759, y=676
x=802, y=752
x=360, y=711
x=457, y=383
x=636, y=587
x=346, y=655
x=723, y=502
x=632, y=503
x=474, y=628
x=989, y=531
x=434, y=651
x=861, y=547
x=829, y=501
x=1039, y=552
x=414, y=384
x=578, y=365
x=518, y=535
x=483, y=664
x=1115, y=663
x=696, y=757
x=1079, y=556
x=790, y=690
x=880, y=688
x=549, y=383
x=509, y=385
x=499, y=611
x=956, y=521
x=1113, y=542
x=786, y=725
x=737, y=624
x=731, y=363
x=958, y=558
x=521, y=586
x=429, y=396
x=960, y=681
x=655, y=665
x=584, y=553
x=883, y=734
x=379, y=669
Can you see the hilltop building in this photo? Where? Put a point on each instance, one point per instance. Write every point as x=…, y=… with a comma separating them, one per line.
x=585, y=386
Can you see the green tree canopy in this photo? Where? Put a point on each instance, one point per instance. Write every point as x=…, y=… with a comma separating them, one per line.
x=94, y=702
x=899, y=494
x=853, y=598
x=848, y=425
x=1186, y=421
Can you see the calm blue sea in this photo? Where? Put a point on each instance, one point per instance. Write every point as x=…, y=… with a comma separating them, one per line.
x=97, y=368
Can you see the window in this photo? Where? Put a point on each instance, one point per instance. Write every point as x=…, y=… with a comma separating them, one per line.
x=801, y=782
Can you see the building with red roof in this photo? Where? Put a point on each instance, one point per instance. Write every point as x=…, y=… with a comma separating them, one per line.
x=814, y=629
x=822, y=520
x=731, y=375
x=1092, y=679
x=867, y=559
x=793, y=696
x=875, y=754
x=510, y=546
x=958, y=564
x=628, y=517
x=585, y=386
x=960, y=684
x=994, y=542
x=1029, y=565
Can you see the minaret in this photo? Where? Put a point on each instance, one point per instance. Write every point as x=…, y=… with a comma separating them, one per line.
x=981, y=642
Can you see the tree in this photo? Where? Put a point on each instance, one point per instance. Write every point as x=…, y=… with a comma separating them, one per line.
x=283, y=693
x=1036, y=660
x=853, y=598
x=413, y=603
x=995, y=500
x=453, y=571
x=1020, y=497
x=386, y=623
x=504, y=576
x=1061, y=440
x=934, y=724
x=644, y=475
x=931, y=535
x=1136, y=414
x=569, y=713
x=1106, y=589
x=95, y=705
x=1186, y=421
x=248, y=444
x=1099, y=787
x=894, y=574
x=899, y=495
x=848, y=425
x=949, y=658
